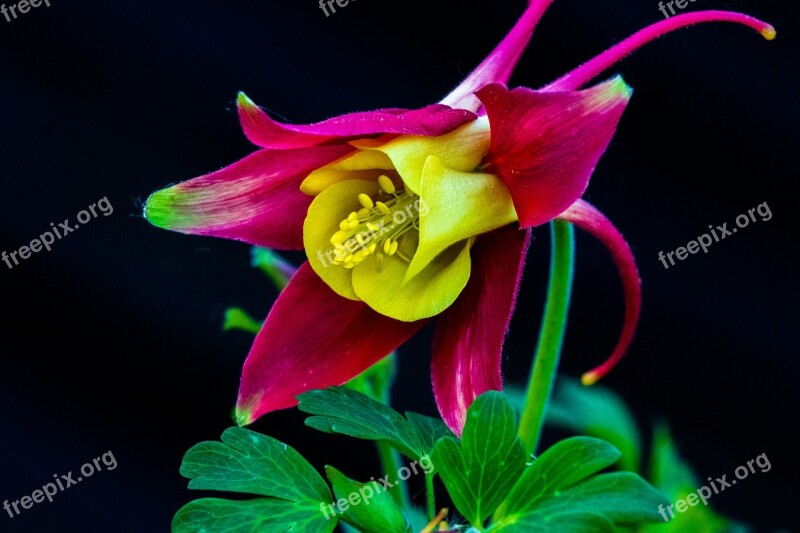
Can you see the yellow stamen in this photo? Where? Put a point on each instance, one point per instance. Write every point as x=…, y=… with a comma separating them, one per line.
x=366, y=201
x=376, y=226
x=339, y=237
x=382, y=208
x=386, y=184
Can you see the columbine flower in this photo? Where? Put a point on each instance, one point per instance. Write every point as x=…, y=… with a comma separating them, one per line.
x=408, y=215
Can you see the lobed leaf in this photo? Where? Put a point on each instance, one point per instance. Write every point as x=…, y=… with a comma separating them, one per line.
x=480, y=470
x=251, y=463
x=348, y=412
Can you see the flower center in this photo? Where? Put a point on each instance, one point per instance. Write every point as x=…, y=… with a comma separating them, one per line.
x=378, y=228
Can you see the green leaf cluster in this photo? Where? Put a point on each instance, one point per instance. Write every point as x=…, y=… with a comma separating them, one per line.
x=487, y=474
x=491, y=481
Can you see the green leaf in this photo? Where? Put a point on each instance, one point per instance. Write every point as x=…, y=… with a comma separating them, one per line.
x=675, y=478
x=480, y=470
x=427, y=430
x=576, y=522
x=210, y=515
x=237, y=318
x=365, y=506
x=348, y=412
x=622, y=497
x=561, y=466
x=560, y=488
x=251, y=463
x=597, y=412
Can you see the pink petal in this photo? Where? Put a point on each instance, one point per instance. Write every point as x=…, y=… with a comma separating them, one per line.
x=591, y=69
x=256, y=200
x=545, y=146
x=498, y=66
x=312, y=339
x=430, y=121
x=262, y=131
x=588, y=218
x=469, y=338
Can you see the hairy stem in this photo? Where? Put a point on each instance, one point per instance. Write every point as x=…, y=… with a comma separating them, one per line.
x=430, y=496
x=551, y=334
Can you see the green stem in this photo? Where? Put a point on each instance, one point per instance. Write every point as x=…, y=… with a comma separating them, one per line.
x=390, y=463
x=551, y=335
x=431, y=497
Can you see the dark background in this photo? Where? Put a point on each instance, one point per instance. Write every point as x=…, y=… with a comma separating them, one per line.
x=112, y=340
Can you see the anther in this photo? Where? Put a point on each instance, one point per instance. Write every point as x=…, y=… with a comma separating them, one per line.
x=382, y=208
x=386, y=184
x=364, y=230
x=365, y=201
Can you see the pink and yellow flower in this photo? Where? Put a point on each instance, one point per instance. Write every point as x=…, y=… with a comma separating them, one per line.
x=407, y=215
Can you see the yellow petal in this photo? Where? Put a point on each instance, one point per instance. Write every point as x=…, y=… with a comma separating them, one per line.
x=455, y=206
x=361, y=165
x=326, y=212
x=427, y=295
x=462, y=149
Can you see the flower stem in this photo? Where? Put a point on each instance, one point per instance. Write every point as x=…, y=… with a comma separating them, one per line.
x=390, y=464
x=551, y=334
x=431, y=497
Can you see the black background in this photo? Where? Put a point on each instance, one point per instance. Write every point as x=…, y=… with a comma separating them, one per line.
x=112, y=340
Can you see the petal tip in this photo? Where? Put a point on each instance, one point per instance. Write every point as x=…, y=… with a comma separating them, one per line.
x=244, y=102
x=158, y=208
x=243, y=413
x=620, y=87
x=590, y=378
x=242, y=417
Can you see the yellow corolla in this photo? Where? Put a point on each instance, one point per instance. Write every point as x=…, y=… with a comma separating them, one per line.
x=398, y=236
